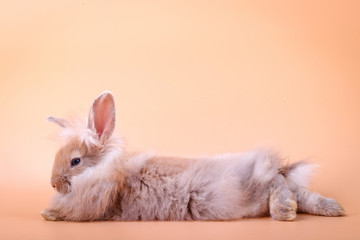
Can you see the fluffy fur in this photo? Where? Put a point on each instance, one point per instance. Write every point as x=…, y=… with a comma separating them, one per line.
x=111, y=183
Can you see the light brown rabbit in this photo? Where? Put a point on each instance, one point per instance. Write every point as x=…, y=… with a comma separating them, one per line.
x=97, y=179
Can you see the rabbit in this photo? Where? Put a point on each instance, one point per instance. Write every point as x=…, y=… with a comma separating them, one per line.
x=97, y=179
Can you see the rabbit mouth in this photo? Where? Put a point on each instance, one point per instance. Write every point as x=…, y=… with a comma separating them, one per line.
x=64, y=188
x=62, y=184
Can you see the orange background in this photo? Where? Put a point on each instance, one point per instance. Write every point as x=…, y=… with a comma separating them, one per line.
x=189, y=78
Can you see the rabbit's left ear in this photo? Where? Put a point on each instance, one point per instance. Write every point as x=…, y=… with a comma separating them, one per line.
x=102, y=116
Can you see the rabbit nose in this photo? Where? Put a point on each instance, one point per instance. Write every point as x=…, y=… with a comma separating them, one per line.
x=52, y=182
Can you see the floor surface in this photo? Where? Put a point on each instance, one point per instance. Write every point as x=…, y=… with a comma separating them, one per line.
x=304, y=227
x=20, y=219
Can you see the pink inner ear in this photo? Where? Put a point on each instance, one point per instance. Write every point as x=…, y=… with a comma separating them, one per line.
x=103, y=115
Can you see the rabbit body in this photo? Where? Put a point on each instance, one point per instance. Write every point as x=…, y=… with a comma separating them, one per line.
x=197, y=189
x=106, y=182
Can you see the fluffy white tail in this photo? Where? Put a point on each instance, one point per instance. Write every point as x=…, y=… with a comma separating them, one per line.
x=298, y=174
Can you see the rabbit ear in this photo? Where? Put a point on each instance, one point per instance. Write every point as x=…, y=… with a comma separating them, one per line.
x=59, y=121
x=102, y=116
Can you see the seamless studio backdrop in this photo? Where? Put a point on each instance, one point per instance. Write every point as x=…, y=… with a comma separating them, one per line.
x=189, y=78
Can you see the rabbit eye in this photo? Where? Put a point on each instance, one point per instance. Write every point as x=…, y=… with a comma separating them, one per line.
x=75, y=161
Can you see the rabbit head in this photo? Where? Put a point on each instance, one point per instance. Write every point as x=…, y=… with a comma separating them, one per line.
x=86, y=144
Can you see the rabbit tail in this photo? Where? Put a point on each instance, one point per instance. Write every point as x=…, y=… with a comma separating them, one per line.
x=297, y=176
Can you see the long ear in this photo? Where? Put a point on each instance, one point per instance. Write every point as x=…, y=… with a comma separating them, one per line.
x=102, y=116
x=59, y=121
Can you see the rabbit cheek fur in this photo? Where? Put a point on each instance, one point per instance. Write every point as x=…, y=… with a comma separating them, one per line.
x=113, y=184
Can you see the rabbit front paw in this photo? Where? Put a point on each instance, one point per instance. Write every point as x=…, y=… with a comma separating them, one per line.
x=51, y=215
